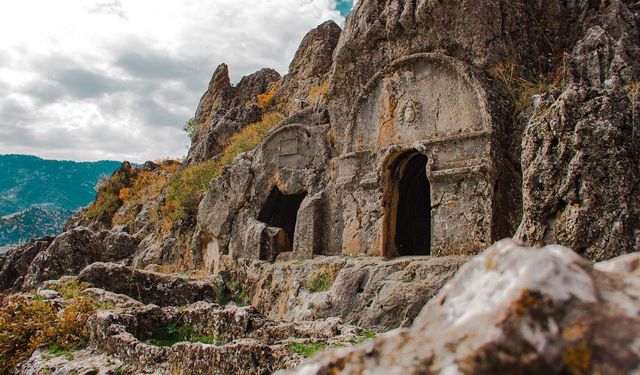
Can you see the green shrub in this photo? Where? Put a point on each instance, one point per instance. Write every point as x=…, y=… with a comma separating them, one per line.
x=190, y=128
x=184, y=189
x=186, y=186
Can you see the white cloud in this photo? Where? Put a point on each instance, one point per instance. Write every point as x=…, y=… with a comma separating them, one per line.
x=116, y=79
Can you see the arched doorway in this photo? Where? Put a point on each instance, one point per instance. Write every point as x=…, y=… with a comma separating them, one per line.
x=408, y=223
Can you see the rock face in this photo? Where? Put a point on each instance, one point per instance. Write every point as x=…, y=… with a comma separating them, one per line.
x=581, y=150
x=370, y=293
x=49, y=258
x=68, y=254
x=239, y=340
x=511, y=310
x=14, y=264
x=308, y=79
x=224, y=110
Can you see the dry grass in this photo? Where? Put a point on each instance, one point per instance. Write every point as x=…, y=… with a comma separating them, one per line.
x=145, y=186
x=248, y=138
x=27, y=325
x=266, y=99
x=318, y=93
x=108, y=198
x=522, y=90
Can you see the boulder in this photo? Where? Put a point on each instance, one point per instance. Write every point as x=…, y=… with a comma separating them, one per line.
x=15, y=263
x=117, y=245
x=152, y=287
x=511, y=310
x=68, y=254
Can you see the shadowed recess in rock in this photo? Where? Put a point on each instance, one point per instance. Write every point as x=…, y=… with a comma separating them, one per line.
x=413, y=219
x=281, y=210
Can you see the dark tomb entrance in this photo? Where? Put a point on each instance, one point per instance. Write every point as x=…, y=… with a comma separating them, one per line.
x=412, y=201
x=281, y=211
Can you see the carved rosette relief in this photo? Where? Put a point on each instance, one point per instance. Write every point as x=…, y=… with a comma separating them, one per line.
x=410, y=113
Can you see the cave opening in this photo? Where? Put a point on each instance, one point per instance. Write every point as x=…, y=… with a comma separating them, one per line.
x=281, y=211
x=412, y=205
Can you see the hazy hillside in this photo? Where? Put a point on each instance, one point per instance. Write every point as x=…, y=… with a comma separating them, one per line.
x=37, y=195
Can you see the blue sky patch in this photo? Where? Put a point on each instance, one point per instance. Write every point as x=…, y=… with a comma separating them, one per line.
x=344, y=6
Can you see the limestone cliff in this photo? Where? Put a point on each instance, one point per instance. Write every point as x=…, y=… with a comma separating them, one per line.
x=350, y=190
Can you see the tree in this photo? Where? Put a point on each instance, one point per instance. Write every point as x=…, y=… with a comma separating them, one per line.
x=190, y=128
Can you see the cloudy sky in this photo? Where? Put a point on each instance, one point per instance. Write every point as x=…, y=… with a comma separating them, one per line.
x=117, y=79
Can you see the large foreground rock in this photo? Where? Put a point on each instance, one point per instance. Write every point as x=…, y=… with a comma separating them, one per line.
x=513, y=310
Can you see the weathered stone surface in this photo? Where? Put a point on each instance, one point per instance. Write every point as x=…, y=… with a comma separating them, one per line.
x=367, y=292
x=627, y=263
x=306, y=83
x=67, y=255
x=118, y=245
x=151, y=287
x=80, y=362
x=224, y=110
x=246, y=342
x=581, y=159
x=15, y=263
x=511, y=310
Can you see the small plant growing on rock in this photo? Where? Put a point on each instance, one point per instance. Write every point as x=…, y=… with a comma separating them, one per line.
x=366, y=335
x=321, y=280
x=521, y=89
x=190, y=128
x=307, y=350
x=173, y=334
x=311, y=306
x=56, y=351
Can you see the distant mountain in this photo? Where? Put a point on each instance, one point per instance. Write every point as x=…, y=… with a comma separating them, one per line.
x=35, y=221
x=38, y=195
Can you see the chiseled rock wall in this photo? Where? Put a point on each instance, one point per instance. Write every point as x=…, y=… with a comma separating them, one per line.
x=513, y=310
x=367, y=292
